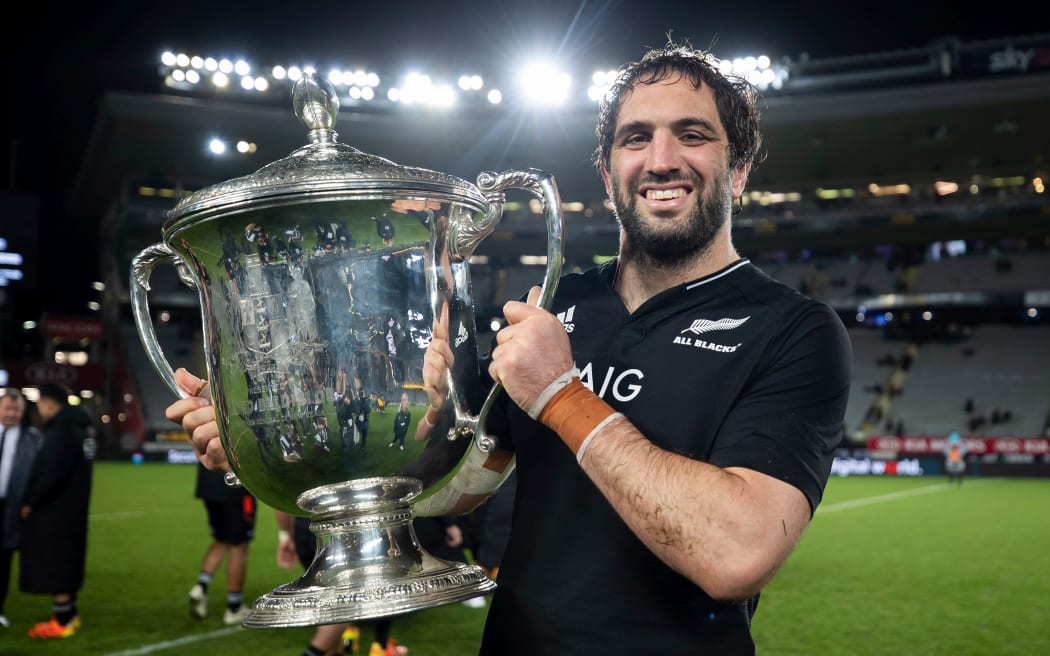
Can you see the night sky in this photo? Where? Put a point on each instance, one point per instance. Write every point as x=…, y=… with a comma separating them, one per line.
x=60, y=65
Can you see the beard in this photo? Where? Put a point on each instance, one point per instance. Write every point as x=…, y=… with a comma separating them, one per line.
x=678, y=242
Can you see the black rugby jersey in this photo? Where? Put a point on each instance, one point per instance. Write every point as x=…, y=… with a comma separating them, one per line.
x=734, y=369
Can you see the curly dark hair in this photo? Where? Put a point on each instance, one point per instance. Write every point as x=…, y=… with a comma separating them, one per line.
x=735, y=98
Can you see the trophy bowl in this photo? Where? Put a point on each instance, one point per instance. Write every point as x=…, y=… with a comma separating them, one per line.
x=319, y=278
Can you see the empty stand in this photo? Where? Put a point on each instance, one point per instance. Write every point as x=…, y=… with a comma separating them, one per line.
x=1004, y=368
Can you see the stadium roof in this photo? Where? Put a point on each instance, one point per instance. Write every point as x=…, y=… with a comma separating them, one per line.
x=95, y=114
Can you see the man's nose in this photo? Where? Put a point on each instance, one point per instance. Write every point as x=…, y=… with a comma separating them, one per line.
x=663, y=154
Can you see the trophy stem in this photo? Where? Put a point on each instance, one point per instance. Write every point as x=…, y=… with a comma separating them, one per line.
x=368, y=563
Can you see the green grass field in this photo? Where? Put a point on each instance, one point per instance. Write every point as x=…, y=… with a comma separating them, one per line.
x=889, y=566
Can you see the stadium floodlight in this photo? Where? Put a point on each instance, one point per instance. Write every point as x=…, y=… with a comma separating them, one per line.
x=196, y=62
x=242, y=67
x=600, y=83
x=760, y=71
x=211, y=64
x=168, y=58
x=182, y=60
x=178, y=75
x=543, y=83
x=367, y=93
x=442, y=95
x=226, y=66
x=261, y=84
x=495, y=96
x=217, y=146
x=247, y=83
x=471, y=82
x=278, y=73
x=415, y=88
x=294, y=73
x=192, y=76
x=420, y=89
x=220, y=80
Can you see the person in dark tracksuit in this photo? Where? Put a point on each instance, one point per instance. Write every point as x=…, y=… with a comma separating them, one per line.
x=55, y=512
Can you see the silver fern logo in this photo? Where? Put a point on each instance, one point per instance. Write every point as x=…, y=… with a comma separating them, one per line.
x=701, y=326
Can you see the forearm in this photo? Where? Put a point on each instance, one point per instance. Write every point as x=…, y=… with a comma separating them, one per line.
x=285, y=521
x=728, y=531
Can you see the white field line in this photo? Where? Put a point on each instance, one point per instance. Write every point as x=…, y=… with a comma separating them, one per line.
x=893, y=496
x=170, y=644
x=106, y=517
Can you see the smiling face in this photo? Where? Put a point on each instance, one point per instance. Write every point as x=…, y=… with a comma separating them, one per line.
x=668, y=174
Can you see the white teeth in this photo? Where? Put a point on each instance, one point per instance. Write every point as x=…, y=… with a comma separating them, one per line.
x=664, y=194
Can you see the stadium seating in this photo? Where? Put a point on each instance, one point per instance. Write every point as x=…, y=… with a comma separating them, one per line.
x=1000, y=368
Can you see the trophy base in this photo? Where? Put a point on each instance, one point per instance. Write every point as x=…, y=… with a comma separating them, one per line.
x=303, y=605
x=368, y=564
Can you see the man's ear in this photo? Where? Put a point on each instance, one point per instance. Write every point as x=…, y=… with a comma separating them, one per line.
x=604, y=172
x=739, y=179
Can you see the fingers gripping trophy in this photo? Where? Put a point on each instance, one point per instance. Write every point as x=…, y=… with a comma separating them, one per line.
x=323, y=278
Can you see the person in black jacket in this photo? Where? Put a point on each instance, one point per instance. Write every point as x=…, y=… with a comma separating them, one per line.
x=401, y=421
x=362, y=409
x=55, y=511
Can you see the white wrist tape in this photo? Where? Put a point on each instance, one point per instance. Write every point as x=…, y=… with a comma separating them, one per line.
x=590, y=436
x=548, y=393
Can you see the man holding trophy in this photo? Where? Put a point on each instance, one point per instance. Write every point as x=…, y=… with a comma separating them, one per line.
x=700, y=400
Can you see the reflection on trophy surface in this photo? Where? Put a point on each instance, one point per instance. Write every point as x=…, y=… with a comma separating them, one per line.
x=320, y=278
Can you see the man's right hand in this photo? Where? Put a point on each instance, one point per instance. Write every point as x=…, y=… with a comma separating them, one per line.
x=196, y=415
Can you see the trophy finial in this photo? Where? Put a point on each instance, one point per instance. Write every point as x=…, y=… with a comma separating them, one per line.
x=317, y=106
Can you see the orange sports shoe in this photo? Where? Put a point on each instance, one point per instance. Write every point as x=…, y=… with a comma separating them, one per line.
x=52, y=629
x=392, y=649
x=351, y=636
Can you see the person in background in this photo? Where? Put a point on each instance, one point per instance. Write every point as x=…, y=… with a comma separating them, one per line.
x=955, y=458
x=19, y=445
x=447, y=538
x=492, y=521
x=231, y=523
x=362, y=410
x=55, y=512
x=401, y=422
x=297, y=543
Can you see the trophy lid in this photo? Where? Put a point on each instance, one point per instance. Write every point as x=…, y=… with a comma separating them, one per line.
x=321, y=170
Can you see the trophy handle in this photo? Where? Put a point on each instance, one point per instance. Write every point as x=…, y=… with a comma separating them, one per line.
x=542, y=186
x=141, y=268
x=485, y=467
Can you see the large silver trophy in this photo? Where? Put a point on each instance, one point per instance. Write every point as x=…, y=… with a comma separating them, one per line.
x=319, y=278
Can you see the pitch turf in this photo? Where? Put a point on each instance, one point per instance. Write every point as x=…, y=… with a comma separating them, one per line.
x=889, y=566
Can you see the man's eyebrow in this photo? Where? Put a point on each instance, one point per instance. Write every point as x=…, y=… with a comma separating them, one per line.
x=696, y=121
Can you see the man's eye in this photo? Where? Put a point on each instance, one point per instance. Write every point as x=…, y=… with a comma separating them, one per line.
x=693, y=137
x=636, y=139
